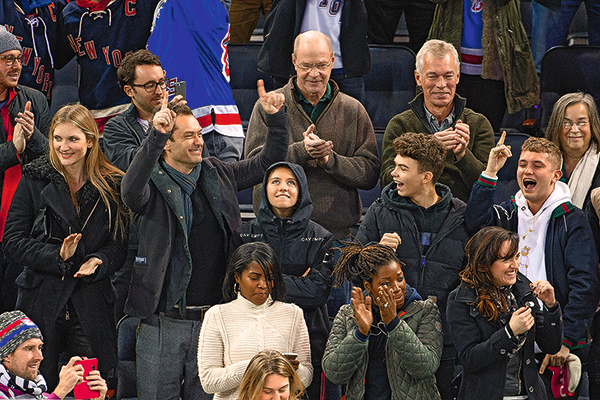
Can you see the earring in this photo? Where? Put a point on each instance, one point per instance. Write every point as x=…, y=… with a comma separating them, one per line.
x=236, y=287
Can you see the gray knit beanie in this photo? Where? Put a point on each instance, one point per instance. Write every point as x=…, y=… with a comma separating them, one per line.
x=8, y=41
x=15, y=328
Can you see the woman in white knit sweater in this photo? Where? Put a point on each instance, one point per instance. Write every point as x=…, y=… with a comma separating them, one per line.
x=254, y=319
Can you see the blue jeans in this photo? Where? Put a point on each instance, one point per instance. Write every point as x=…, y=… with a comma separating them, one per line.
x=167, y=359
x=354, y=87
x=225, y=148
x=558, y=34
x=542, y=20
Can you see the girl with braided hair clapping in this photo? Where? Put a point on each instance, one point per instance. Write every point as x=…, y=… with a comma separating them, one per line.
x=388, y=342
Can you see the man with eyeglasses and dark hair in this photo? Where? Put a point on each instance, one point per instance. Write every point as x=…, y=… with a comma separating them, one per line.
x=468, y=136
x=142, y=78
x=23, y=137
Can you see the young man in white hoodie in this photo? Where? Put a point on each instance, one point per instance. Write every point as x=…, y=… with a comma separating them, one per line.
x=556, y=241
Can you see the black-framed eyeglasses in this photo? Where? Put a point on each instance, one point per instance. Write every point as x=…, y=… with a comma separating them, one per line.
x=9, y=59
x=150, y=86
x=569, y=124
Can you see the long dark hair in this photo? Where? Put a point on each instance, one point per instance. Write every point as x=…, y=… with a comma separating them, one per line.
x=483, y=249
x=263, y=255
x=361, y=263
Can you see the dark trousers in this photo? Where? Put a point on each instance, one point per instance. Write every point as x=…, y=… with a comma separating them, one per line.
x=484, y=96
x=384, y=15
x=594, y=359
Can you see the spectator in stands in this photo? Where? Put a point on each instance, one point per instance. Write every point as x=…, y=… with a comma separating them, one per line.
x=68, y=226
x=574, y=127
x=467, y=135
x=387, y=343
x=182, y=198
x=544, y=14
x=344, y=22
x=142, y=78
x=100, y=34
x=384, y=16
x=243, y=16
x=559, y=32
x=303, y=249
x=498, y=71
x=25, y=122
x=556, y=241
x=332, y=137
x=496, y=315
x=35, y=23
x=270, y=376
x=255, y=318
x=21, y=354
x=419, y=218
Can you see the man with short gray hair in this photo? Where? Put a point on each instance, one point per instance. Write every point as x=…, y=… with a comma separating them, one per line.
x=438, y=110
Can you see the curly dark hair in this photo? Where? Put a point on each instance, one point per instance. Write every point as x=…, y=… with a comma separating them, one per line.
x=359, y=263
x=483, y=249
x=426, y=150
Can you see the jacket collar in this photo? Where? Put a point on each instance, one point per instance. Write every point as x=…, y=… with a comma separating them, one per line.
x=131, y=116
x=468, y=294
x=417, y=104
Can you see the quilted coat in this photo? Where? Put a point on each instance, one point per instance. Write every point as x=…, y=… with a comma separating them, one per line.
x=413, y=353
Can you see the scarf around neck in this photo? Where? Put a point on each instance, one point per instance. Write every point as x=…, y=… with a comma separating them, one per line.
x=581, y=178
x=10, y=380
x=187, y=183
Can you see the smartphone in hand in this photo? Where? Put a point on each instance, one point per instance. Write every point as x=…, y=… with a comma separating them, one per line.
x=82, y=391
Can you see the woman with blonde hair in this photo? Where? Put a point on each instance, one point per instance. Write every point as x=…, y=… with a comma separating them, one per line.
x=68, y=226
x=270, y=376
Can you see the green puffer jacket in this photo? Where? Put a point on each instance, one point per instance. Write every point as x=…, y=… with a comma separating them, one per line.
x=413, y=353
x=504, y=42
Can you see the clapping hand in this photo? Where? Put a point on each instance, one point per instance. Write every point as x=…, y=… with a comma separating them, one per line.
x=69, y=245
x=316, y=147
x=23, y=128
x=362, y=310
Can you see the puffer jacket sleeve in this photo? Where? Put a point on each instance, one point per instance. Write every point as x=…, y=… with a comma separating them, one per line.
x=344, y=352
x=421, y=350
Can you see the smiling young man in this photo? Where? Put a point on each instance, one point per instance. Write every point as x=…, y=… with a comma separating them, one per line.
x=556, y=242
x=21, y=344
x=420, y=218
x=439, y=111
x=187, y=209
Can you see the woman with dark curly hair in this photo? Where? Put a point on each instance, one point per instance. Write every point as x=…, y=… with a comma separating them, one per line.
x=495, y=315
x=68, y=226
x=388, y=342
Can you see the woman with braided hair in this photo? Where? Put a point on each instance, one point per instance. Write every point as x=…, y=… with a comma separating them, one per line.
x=388, y=342
x=495, y=315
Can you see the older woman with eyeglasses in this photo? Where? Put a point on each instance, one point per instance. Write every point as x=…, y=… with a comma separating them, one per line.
x=575, y=128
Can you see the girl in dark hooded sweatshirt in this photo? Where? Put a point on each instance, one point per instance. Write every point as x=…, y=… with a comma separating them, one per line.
x=303, y=249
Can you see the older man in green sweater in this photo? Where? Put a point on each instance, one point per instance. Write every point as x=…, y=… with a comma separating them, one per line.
x=438, y=110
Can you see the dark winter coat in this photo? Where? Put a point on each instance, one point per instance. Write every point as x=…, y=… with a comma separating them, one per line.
x=157, y=200
x=483, y=345
x=300, y=244
x=435, y=274
x=41, y=216
x=570, y=255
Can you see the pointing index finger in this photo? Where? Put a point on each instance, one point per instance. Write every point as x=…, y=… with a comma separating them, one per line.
x=164, y=102
x=260, y=85
x=501, y=141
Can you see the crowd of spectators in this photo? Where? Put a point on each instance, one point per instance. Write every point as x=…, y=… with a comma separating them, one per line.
x=114, y=208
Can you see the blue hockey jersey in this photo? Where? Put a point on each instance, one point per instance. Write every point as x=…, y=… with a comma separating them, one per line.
x=34, y=23
x=190, y=38
x=100, y=40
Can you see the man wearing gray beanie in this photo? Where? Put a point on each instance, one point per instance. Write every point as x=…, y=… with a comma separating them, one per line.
x=21, y=354
x=24, y=123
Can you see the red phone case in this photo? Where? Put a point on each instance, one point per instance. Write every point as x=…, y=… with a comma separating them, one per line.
x=82, y=390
